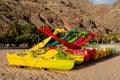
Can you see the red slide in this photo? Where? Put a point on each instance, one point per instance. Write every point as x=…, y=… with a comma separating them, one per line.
x=89, y=38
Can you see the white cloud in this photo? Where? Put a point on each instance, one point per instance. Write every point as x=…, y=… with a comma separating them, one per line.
x=110, y=2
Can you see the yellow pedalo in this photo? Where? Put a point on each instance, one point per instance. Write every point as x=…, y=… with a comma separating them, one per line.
x=47, y=60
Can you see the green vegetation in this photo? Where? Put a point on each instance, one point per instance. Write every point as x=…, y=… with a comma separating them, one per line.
x=18, y=34
x=22, y=34
x=107, y=38
x=27, y=34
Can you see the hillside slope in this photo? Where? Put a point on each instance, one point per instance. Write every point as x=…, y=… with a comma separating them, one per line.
x=69, y=14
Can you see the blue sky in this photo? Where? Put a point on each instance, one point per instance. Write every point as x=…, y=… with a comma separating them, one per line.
x=109, y=2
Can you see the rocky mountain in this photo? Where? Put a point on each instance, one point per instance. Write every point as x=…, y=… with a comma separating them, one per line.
x=69, y=14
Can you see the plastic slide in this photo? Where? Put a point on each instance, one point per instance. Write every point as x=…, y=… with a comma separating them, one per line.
x=64, y=42
x=45, y=41
x=89, y=38
x=89, y=52
x=74, y=48
x=82, y=40
x=79, y=35
x=71, y=47
x=64, y=37
x=79, y=40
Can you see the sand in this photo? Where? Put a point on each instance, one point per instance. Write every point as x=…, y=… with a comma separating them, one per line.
x=107, y=68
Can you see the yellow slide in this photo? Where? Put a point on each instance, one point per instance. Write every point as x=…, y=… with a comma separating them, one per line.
x=44, y=42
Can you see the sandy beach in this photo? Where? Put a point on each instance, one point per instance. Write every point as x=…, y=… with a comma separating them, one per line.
x=102, y=69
